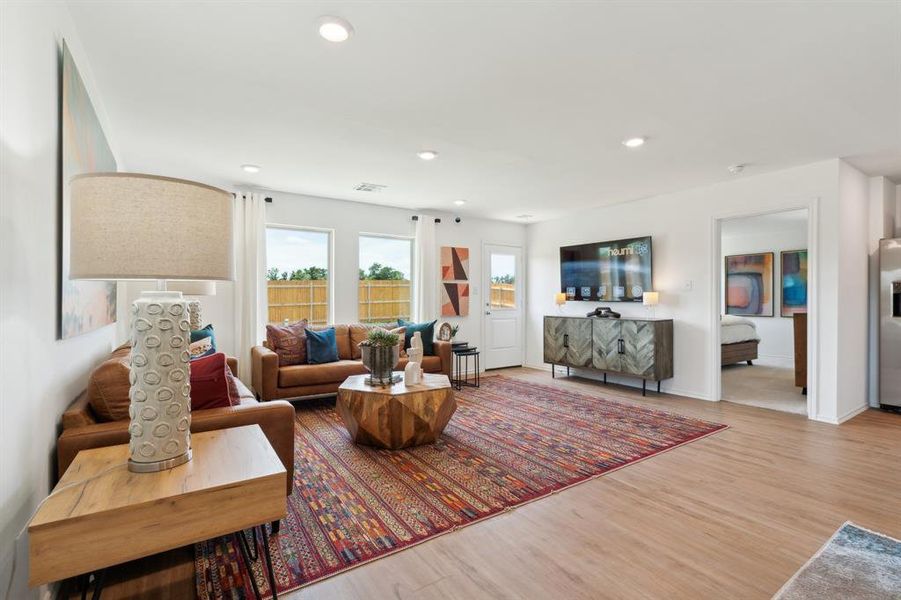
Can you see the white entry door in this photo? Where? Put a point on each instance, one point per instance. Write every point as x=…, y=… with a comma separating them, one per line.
x=502, y=323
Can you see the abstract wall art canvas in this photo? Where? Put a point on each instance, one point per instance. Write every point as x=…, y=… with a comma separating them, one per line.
x=454, y=299
x=454, y=263
x=749, y=285
x=794, y=282
x=84, y=305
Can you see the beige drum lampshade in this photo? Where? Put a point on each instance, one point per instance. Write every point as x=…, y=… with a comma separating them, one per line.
x=134, y=226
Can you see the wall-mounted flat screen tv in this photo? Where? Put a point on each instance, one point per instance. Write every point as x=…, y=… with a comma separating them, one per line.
x=617, y=271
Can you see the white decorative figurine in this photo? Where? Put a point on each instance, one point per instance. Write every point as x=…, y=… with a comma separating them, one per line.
x=413, y=371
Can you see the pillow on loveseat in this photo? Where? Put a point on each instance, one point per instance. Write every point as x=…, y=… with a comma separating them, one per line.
x=426, y=331
x=289, y=342
x=108, y=387
x=203, y=342
x=322, y=346
x=210, y=383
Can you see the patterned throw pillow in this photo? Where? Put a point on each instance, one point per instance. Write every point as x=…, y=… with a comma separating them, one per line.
x=203, y=342
x=289, y=342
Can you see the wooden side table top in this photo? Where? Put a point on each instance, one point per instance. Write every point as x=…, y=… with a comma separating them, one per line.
x=101, y=514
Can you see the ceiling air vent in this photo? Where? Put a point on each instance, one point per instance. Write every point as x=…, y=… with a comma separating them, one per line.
x=370, y=187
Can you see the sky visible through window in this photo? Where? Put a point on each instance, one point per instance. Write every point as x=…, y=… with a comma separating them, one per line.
x=503, y=268
x=391, y=252
x=292, y=249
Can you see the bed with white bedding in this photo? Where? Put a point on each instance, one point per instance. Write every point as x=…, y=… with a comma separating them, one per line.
x=739, y=339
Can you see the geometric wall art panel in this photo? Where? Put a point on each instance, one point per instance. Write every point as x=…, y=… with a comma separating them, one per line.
x=454, y=263
x=454, y=299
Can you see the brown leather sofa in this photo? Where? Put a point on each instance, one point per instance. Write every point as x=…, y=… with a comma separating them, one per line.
x=83, y=430
x=271, y=381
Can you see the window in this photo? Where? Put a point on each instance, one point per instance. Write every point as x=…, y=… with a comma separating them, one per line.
x=386, y=291
x=503, y=281
x=297, y=263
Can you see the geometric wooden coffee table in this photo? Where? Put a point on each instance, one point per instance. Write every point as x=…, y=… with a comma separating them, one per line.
x=396, y=416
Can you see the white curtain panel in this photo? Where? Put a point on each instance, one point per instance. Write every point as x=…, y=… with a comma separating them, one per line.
x=251, y=305
x=425, y=304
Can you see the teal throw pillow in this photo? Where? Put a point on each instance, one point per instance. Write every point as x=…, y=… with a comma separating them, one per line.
x=426, y=331
x=322, y=346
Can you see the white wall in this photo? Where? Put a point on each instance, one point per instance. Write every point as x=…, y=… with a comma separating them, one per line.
x=757, y=234
x=40, y=375
x=681, y=224
x=348, y=220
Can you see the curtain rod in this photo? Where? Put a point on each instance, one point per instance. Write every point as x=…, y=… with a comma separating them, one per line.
x=266, y=199
x=416, y=218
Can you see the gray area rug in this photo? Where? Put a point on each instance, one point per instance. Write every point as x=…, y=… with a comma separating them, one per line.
x=855, y=564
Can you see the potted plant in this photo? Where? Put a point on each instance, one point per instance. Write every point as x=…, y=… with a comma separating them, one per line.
x=380, y=353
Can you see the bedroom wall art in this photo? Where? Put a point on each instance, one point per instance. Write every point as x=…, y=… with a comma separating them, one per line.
x=454, y=299
x=794, y=282
x=84, y=305
x=749, y=284
x=454, y=263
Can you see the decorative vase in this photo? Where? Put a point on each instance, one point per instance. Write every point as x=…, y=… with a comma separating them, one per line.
x=380, y=361
x=160, y=393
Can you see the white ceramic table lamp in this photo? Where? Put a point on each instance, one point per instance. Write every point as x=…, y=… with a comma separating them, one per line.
x=560, y=300
x=651, y=300
x=193, y=288
x=132, y=226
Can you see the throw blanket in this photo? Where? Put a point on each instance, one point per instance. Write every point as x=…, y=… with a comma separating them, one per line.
x=735, y=329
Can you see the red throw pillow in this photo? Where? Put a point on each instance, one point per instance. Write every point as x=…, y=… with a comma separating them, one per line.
x=289, y=342
x=209, y=382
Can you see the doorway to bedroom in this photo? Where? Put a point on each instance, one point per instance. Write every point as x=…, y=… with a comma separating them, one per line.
x=763, y=310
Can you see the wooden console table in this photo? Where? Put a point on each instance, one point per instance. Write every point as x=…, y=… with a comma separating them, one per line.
x=634, y=347
x=100, y=514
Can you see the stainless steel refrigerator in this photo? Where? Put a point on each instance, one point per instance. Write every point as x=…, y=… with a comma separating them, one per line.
x=890, y=323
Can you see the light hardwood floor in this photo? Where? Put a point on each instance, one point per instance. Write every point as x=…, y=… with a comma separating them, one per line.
x=732, y=515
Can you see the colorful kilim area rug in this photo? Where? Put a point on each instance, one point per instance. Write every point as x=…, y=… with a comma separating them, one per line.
x=510, y=442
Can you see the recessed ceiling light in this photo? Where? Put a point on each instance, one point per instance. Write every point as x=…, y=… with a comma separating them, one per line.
x=633, y=142
x=524, y=216
x=427, y=154
x=459, y=202
x=736, y=169
x=251, y=168
x=335, y=29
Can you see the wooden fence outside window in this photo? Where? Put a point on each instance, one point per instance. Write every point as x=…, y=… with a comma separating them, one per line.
x=380, y=301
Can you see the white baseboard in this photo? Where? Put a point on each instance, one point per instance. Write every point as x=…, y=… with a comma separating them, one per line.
x=843, y=417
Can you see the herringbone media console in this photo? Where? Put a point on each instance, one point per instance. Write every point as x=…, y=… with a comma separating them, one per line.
x=636, y=347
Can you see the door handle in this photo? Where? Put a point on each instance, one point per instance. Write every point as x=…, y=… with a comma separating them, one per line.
x=621, y=346
x=566, y=340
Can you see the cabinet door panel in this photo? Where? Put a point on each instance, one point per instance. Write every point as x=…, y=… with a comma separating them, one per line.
x=606, y=334
x=578, y=351
x=554, y=350
x=638, y=341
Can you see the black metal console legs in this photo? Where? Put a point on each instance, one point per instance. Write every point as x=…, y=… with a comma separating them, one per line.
x=251, y=556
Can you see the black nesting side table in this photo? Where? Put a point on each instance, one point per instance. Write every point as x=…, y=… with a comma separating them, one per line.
x=461, y=367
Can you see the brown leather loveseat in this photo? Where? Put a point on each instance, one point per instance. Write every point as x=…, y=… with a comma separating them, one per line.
x=271, y=381
x=82, y=428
